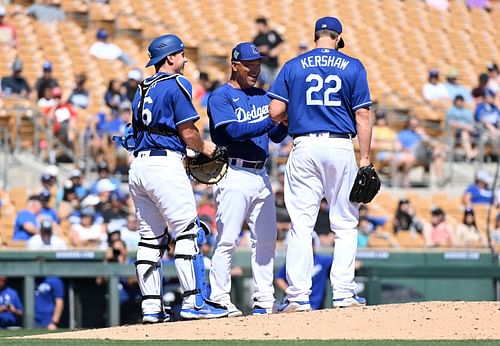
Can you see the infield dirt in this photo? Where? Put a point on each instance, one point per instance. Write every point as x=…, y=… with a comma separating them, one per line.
x=411, y=321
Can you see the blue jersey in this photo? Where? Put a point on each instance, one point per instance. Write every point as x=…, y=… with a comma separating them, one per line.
x=239, y=119
x=23, y=217
x=8, y=296
x=46, y=292
x=320, y=274
x=322, y=88
x=167, y=104
x=49, y=214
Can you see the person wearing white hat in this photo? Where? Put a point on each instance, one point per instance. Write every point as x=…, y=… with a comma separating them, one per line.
x=7, y=31
x=480, y=192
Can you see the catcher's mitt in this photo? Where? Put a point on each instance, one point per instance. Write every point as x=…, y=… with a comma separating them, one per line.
x=208, y=170
x=366, y=185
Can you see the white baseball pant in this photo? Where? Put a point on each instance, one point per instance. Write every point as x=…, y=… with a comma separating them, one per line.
x=163, y=197
x=244, y=195
x=320, y=167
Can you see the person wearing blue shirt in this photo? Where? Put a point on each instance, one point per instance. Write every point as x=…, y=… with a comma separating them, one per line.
x=47, y=212
x=163, y=119
x=480, y=192
x=322, y=265
x=454, y=89
x=461, y=122
x=239, y=119
x=11, y=308
x=26, y=223
x=324, y=96
x=49, y=302
x=488, y=114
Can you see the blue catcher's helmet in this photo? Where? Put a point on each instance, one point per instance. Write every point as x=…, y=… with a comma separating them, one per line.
x=162, y=47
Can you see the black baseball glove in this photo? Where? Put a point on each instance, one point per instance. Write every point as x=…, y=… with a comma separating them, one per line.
x=366, y=185
x=208, y=170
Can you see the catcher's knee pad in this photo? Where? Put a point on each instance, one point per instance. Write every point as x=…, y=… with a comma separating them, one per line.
x=189, y=261
x=149, y=274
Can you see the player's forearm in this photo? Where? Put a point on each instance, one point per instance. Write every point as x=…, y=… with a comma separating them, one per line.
x=277, y=111
x=243, y=131
x=191, y=136
x=278, y=133
x=364, y=129
x=30, y=228
x=58, y=309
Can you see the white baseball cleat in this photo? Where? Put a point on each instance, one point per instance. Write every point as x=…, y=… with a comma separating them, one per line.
x=294, y=306
x=232, y=309
x=349, y=302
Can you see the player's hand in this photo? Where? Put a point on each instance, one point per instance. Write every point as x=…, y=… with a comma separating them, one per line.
x=4, y=308
x=208, y=148
x=364, y=162
x=51, y=326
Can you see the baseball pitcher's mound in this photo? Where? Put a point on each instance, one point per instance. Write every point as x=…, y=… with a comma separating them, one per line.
x=430, y=320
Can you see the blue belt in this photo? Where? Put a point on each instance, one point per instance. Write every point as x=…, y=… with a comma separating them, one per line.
x=330, y=135
x=162, y=152
x=247, y=164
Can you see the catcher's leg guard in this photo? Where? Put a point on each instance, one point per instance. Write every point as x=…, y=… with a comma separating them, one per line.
x=191, y=271
x=149, y=276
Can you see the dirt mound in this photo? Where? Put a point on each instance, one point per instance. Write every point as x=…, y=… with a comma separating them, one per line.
x=415, y=321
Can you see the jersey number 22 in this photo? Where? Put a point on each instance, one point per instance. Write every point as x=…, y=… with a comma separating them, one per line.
x=326, y=101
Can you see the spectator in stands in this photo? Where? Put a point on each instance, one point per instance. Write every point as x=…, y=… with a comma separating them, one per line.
x=480, y=192
x=11, y=308
x=302, y=48
x=488, y=114
x=418, y=147
x=441, y=5
x=64, y=118
x=128, y=288
x=46, y=102
x=201, y=87
x=102, y=49
x=493, y=77
x=461, y=123
x=88, y=232
x=46, y=11
x=438, y=232
x=49, y=302
x=385, y=143
x=453, y=88
x=8, y=35
x=114, y=97
x=26, y=224
x=374, y=221
x=45, y=239
x=128, y=233
x=47, y=212
x=433, y=89
x=283, y=222
x=480, y=4
x=467, y=234
x=105, y=189
x=134, y=77
x=103, y=172
x=270, y=45
x=80, y=95
x=405, y=218
x=115, y=214
x=16, y=84
x=322, y=266
x=364, y=229
x=495, y=234
x=46, y=81
x=48, y=181
x=70, y=195
x=478, y=91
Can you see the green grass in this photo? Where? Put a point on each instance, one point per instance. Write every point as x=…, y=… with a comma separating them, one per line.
x=36, y=342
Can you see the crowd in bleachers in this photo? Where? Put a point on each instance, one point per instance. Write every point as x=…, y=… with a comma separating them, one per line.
x=68, y=109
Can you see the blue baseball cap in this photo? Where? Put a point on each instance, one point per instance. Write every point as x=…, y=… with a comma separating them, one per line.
x=102, y=34
x=245, y=51
x=330, y=23
x=47, y=66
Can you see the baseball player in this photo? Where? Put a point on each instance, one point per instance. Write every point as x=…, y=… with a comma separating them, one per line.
x=239, y=119
x=325, y=94
x=163, y=125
